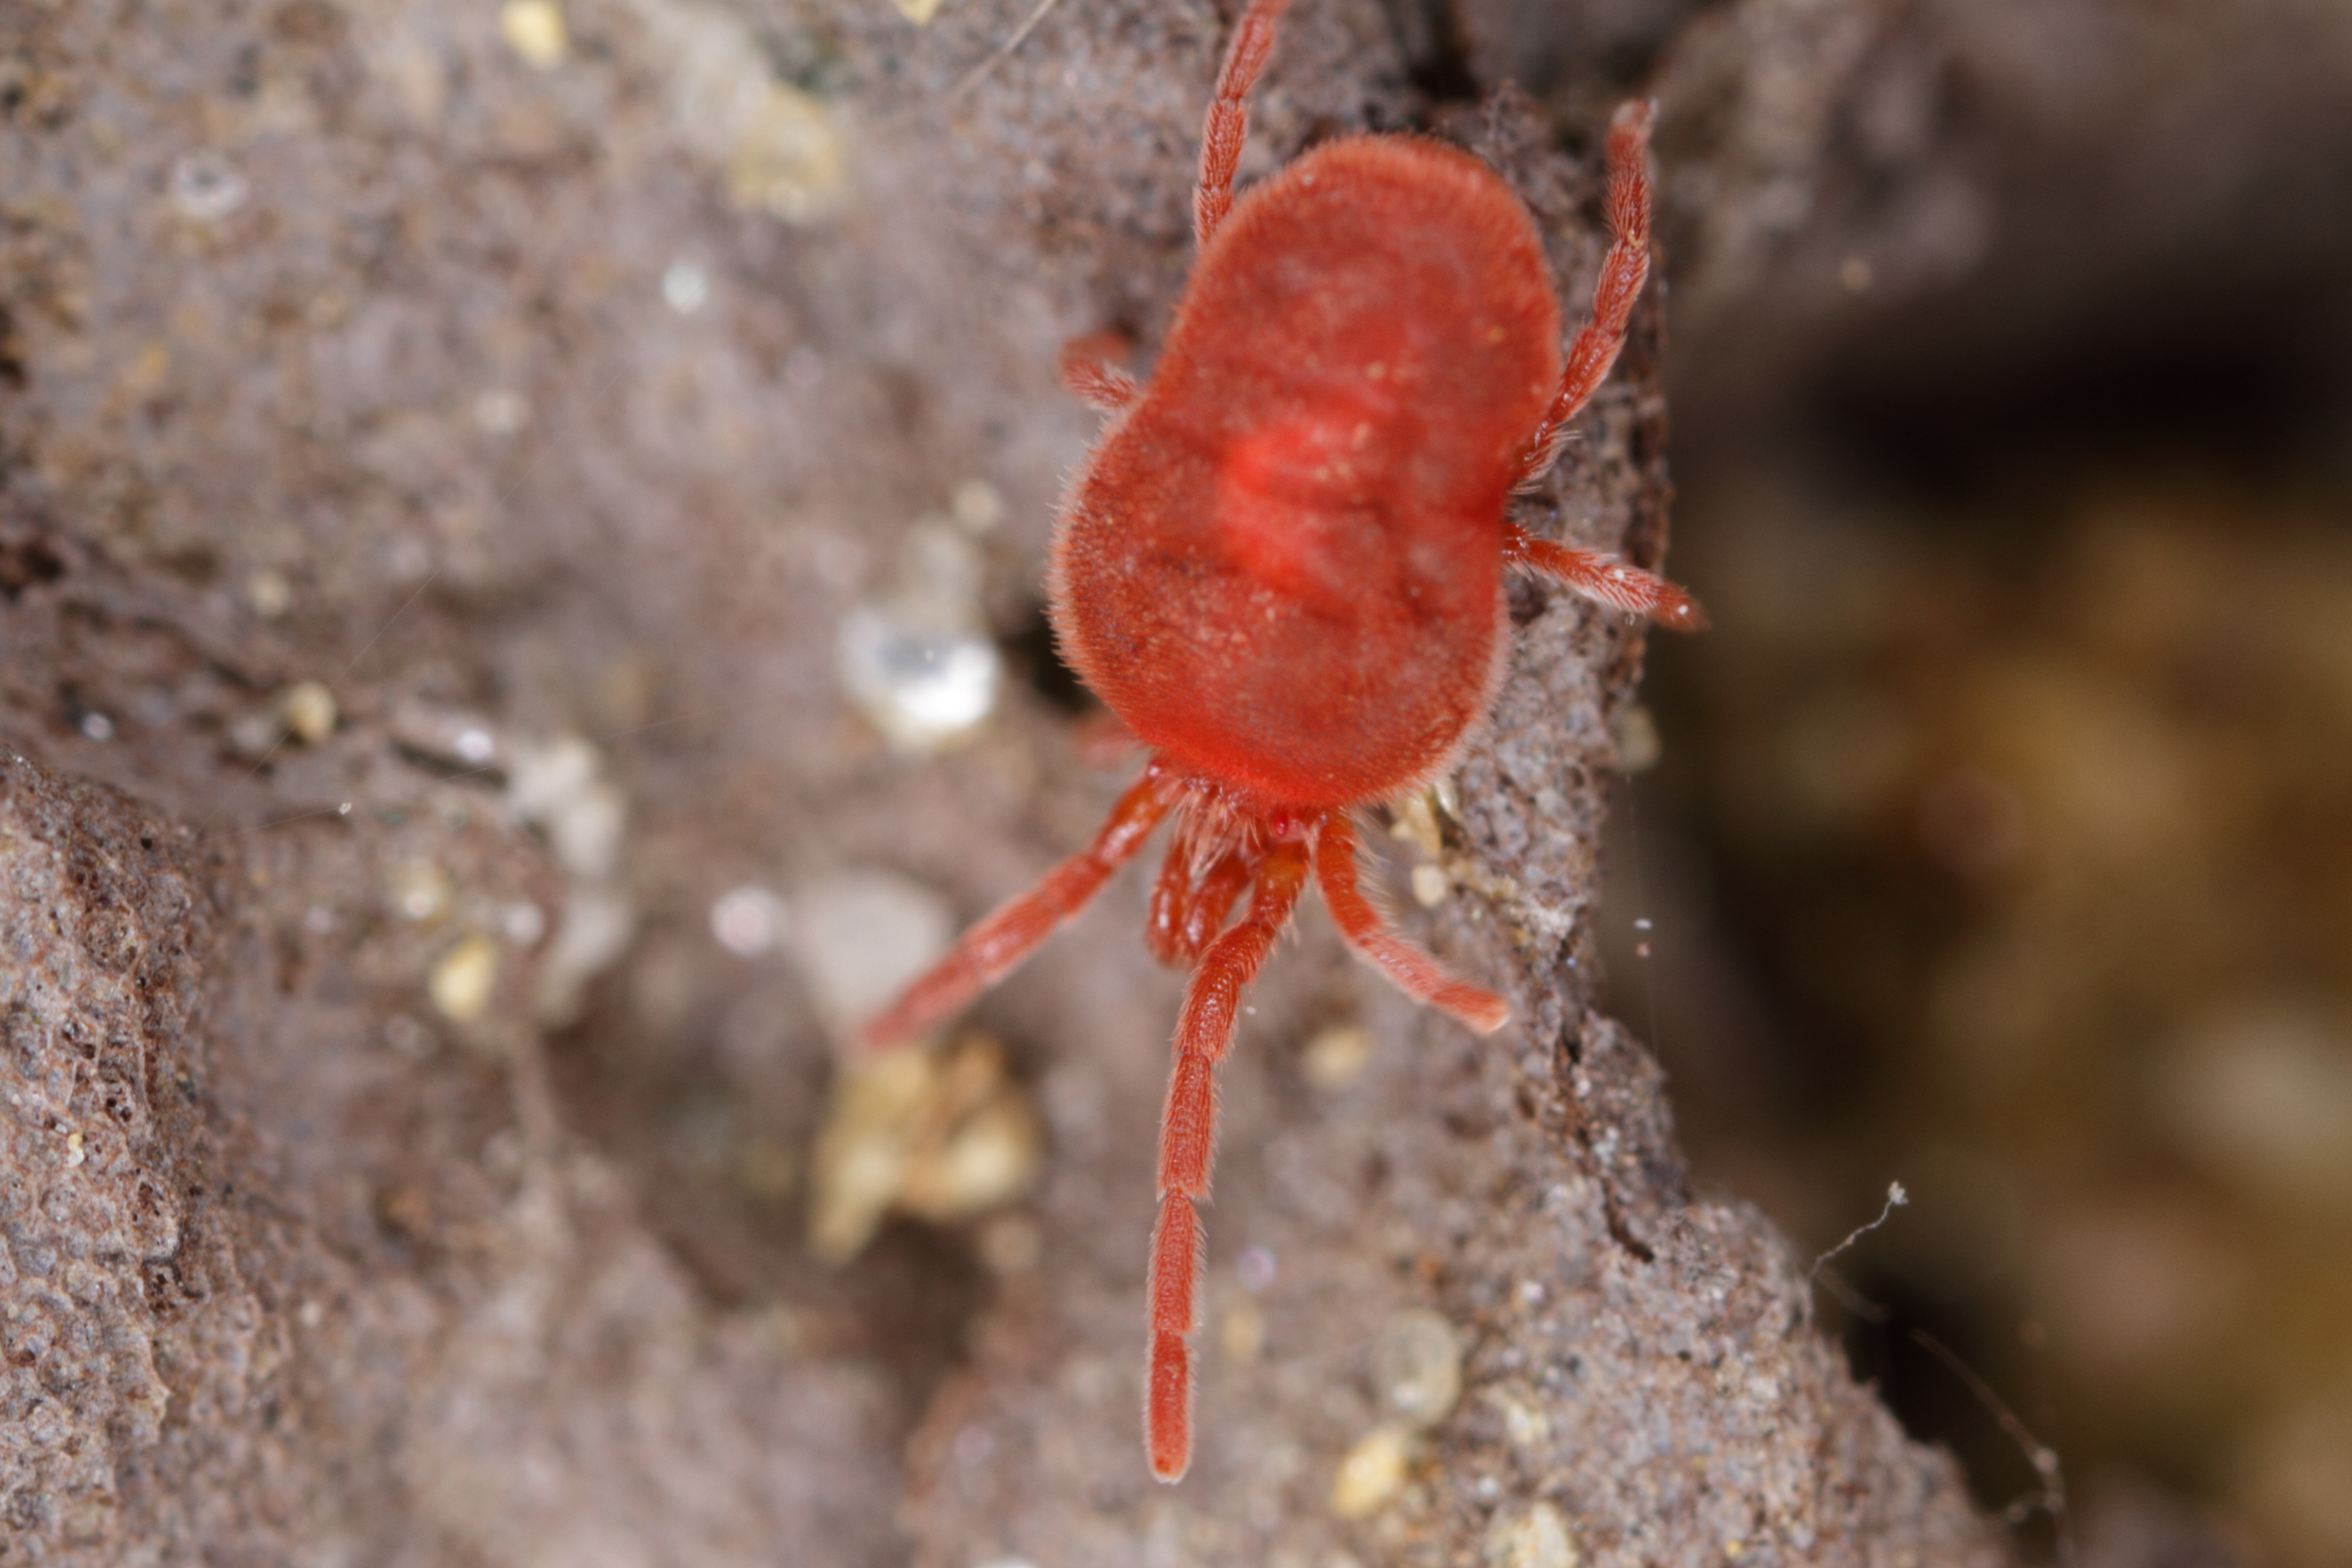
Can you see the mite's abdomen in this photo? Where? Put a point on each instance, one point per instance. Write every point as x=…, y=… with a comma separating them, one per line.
x=1282, y=566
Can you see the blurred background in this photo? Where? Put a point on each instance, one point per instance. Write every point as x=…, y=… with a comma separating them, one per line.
x=2002, y=843
x=562, y=487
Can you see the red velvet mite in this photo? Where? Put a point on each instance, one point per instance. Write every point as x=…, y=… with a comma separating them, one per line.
x=1282, y=567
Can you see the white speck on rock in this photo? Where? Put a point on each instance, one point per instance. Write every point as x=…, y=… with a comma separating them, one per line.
x=748, y=921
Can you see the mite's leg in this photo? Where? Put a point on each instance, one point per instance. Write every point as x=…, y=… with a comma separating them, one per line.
x=1171, y=906
x=1212, y=901
x=1186, y=916
x=1604, y=579
x=1595, y=348
x=993, y=949
x=1414, y=971
x=1187, y=1140
x=1088, y=370
x=1228, y=119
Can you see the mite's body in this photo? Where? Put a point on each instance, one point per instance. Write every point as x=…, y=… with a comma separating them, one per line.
x=1282, y=568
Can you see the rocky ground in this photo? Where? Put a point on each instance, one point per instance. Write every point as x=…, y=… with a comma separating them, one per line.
x=521, y=533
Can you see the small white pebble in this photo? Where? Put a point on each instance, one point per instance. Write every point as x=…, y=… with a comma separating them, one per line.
x=523, y=922
x=586, y=831
x=407, y=558
x=1254, y=1267
x=1535, y=1538
x=543, y=778
x=534, y=30
x=420, y=889
x=976, y=506
x=919, y=683
x=748, y=921
x=685, y=288
x=1430, y=884
x=859, y=936
x=208, y=187
x=1417, y=1367
x=501, y=411
x=269, y=593
x=98, y=726
x=254, y=734
x=475, y=746
x=75, y=1153
x=1527, y=1427
x=311, y=1314
x=595, y=929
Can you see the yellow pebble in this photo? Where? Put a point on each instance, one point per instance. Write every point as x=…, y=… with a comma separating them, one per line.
x=1336, y=1057
x=1416, y=823
x=270, y=593
x=309, y=710
x=461, y=982
x=1372, y=1473
x=1242, y=1335
x=787, y=154
x=984, y=1163
x=534, y=30
x=1535, y=1538
x=917, y=11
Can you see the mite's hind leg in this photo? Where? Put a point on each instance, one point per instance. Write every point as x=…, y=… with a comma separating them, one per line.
x=1187, y=1143
x=1419, y=975
x=1090, y=370
x=1595, y=348
x=993, y=949
x=1604, y=579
